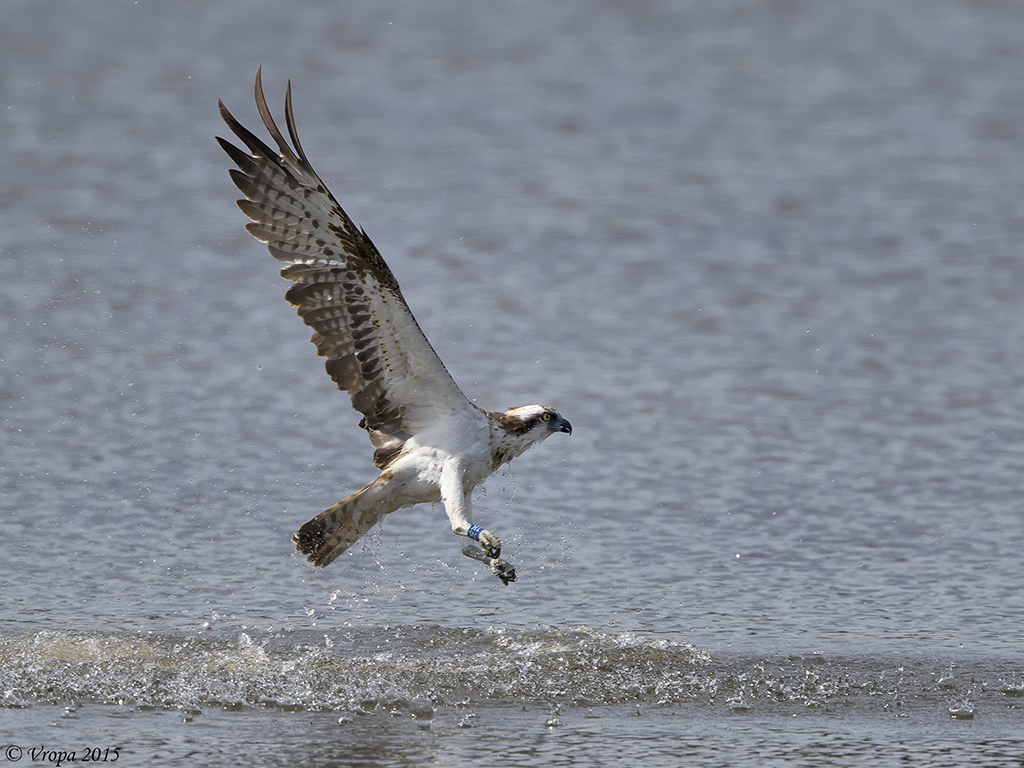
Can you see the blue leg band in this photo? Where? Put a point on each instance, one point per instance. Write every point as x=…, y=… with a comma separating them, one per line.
x=474, y=532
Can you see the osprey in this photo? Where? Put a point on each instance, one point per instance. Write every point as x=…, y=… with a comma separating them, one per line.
x=429, y=441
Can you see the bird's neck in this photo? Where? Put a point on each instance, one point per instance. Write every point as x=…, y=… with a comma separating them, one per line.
x=506, y=443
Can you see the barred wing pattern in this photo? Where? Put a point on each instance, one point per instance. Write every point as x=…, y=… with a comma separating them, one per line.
x=342, y=289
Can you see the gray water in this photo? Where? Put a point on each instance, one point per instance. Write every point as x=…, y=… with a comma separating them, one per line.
x=766, y=257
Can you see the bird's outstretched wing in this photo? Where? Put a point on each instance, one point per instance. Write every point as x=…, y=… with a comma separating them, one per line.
x=342, y=289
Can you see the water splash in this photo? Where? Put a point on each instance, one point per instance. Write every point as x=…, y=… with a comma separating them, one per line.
x=414, y=670
x=408, y=668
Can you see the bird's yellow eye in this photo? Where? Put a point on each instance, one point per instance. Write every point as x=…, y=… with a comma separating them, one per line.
x=546, y=417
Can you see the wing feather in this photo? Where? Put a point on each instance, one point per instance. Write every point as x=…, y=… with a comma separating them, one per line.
x=341, y=287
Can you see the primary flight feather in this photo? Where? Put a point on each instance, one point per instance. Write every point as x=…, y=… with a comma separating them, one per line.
x=429, y=441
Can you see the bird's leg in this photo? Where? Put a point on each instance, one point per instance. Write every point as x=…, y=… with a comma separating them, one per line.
x=489, y=543
x=460, y=514
x=490, y=549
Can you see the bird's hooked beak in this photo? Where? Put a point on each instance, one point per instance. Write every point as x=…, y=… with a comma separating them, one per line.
x=562, y=425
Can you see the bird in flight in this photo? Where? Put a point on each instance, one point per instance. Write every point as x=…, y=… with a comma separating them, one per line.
x=429, y=441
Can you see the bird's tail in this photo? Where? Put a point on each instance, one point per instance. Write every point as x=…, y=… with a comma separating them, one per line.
x=336, y=529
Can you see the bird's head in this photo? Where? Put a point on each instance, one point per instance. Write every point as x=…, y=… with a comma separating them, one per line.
x=515, y=430
x=535, y=422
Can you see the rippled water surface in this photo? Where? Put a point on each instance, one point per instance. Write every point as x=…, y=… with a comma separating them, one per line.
x=765, y=257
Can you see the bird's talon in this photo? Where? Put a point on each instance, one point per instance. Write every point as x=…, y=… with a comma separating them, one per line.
x=503, y=571
x=490, y=544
